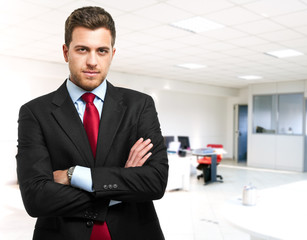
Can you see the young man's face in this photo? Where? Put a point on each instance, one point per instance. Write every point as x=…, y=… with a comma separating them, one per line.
x=89, y=56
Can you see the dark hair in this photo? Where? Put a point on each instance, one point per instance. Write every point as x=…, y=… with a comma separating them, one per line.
x=89, y=17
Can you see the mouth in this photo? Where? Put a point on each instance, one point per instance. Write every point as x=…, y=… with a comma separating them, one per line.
x=90, y=73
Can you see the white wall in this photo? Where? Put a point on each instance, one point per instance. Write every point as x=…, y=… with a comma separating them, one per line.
x=202, y=118
x=196, y=110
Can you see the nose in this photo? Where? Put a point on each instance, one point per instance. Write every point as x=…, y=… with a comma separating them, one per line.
x=91, y=60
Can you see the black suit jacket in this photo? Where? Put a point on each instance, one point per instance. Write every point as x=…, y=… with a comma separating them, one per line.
x=51, y=136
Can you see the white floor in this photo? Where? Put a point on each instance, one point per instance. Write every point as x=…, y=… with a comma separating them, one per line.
x=184, y=215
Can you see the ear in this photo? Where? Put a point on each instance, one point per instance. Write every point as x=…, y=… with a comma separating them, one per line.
x=113, y=52
x=65, y=52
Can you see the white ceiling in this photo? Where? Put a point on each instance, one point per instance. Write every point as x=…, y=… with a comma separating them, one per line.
x=147, y=45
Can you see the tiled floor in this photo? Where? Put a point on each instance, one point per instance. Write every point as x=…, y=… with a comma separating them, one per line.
x=193, y=215
x=198, y=214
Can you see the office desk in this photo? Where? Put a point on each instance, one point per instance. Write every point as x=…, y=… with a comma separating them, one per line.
x=280, y=213
x=213, y=162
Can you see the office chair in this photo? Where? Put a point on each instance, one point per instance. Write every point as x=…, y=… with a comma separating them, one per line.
x=204, y=164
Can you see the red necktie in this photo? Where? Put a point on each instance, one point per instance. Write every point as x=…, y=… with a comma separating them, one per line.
x=91, y=120
x=91, y=124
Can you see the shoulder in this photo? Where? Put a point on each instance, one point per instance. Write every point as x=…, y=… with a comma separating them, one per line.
x=41, y=101
x=130, y=93
x=37, y=107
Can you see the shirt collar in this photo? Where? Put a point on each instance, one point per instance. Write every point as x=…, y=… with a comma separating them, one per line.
x=76, y=92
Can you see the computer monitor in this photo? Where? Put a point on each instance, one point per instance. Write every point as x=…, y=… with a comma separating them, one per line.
x=185, y=143
x=168, y=139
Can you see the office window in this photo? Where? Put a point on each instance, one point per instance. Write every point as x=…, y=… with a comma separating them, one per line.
x=290, y=113
x=280, y=113
x=264, y=114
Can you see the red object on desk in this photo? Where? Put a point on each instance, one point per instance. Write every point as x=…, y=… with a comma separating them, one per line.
x=207, y=159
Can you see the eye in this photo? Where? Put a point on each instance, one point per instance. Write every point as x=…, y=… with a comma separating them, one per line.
x=81, y=50
x=103, y=51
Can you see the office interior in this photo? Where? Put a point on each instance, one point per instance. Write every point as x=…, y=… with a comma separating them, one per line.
x=206, y=83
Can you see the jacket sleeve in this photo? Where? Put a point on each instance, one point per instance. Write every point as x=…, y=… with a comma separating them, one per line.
x=41, y=195
x=137, y=183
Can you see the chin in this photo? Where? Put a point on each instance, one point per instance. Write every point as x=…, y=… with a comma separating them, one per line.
x=90, y=85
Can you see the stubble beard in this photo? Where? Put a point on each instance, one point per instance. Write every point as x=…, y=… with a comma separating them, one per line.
x=83, y=82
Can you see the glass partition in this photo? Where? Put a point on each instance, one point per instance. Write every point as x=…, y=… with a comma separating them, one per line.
x=278, y=113
x=290, y=113
x=264, y=114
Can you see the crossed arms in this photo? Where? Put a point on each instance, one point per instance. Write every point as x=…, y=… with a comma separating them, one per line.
x=138, y=155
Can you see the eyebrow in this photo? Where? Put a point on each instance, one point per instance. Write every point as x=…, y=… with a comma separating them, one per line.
x=83, y=46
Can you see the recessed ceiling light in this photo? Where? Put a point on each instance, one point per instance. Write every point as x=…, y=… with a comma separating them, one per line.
x=191, y=65
x=197, y=25
x=166, y=87
x=250, y=77
x=285, y=53
x=265, y=15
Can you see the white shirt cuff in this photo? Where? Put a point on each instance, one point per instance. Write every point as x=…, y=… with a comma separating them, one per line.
x=82, y=178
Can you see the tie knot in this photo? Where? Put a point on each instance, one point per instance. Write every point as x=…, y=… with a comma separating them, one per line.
x=88, y=97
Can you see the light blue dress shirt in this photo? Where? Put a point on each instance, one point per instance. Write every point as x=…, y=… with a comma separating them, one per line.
x=82, y=177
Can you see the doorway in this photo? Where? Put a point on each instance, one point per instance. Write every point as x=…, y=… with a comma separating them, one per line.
x=240, y=133
x=305, y=144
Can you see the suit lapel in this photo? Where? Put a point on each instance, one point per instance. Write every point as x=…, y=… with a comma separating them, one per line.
x=68, y=118
x=111, y=118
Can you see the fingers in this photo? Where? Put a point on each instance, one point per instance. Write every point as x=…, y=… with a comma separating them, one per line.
x=137, y=144
x=143, y=160
x=139, y=153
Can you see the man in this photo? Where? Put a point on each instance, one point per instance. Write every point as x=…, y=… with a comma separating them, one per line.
x=91, y=156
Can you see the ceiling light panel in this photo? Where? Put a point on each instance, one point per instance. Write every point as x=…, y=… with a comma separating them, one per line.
x=284, y=53
x=191, y=66
x=197, y=25
x=250, y=77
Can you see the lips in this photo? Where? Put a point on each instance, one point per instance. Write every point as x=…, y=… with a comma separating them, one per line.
x=91, y=73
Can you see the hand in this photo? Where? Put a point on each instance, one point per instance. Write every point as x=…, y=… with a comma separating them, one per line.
x=139, y=153
x=60, y=176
